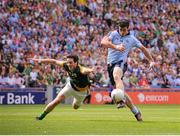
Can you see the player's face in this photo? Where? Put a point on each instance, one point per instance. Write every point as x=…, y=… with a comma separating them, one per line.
x=71, y=64
x=123, y=31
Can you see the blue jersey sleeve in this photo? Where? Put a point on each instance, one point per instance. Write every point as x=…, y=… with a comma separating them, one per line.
x=136, y=42
x=111, y=35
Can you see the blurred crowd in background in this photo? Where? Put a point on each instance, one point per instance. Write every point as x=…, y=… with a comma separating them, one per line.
x=55, y=28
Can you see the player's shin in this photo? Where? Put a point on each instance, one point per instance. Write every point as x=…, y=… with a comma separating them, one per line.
x=42, y=115
x=48, y=109
x=133, y=108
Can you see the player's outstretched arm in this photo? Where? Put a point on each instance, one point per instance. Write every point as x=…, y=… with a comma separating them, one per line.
x=106, y=43
x=148, y=56
x=53, y=61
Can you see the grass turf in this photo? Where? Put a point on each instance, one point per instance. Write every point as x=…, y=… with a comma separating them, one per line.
x=89, y=120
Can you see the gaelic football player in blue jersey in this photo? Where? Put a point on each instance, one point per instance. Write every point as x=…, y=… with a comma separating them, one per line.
x=119, y=44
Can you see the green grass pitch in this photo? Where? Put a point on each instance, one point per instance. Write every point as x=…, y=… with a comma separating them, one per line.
x=89, y=120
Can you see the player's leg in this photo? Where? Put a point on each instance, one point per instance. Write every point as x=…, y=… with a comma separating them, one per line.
x=78, y=99
x=133, y=108
x=65, y=92
x=117, y=75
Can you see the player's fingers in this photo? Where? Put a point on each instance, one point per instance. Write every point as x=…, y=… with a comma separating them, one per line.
x=121, y=48
x=92, y=69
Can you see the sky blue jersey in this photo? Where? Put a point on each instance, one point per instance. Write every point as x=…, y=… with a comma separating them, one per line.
x=129, y=41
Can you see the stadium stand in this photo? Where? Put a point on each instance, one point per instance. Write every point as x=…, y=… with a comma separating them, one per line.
x=55, y=28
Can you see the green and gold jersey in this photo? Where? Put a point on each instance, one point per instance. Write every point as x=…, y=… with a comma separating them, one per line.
x=76, y=77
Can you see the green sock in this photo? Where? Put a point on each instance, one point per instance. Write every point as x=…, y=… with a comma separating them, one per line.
x=43, y=115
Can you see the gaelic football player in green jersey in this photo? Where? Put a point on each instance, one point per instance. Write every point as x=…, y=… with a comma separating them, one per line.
x=77, y=86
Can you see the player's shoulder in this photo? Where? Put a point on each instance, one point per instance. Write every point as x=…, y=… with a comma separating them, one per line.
x=132, y=37
x=81, y=66
x=114, y=32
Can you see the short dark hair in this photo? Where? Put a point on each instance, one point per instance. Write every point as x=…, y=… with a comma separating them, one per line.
x=74, y=57
x=124, y=23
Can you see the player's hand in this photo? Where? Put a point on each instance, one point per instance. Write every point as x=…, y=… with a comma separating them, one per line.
x=151, y=65
x=120, y=47
x=93, y=69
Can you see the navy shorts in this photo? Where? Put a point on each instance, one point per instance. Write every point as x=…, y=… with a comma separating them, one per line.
x=111, y=69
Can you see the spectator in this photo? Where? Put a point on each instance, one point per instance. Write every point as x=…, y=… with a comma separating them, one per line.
x=133, y=80
x=143, y=82
x=52, y=29
x=33, y=78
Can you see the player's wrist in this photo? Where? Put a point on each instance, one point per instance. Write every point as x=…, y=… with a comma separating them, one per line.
x=114, y=46
x=152, y=63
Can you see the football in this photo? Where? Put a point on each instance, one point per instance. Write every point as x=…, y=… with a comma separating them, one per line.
x=117, y=95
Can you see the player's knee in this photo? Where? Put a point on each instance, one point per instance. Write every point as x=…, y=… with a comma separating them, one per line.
x=117, y=74
x=117, y=78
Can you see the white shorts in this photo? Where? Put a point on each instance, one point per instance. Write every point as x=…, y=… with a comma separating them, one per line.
x=68, y=91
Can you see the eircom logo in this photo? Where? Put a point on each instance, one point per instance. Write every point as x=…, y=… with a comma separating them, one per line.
x=152, y=98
